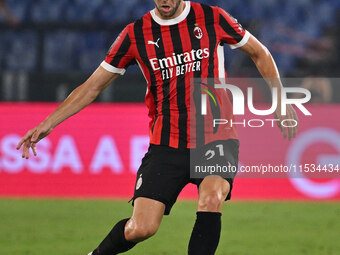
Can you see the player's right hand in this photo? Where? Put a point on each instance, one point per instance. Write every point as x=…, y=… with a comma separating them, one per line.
x=32, y=137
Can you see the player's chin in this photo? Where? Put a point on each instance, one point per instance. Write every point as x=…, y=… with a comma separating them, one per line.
x=166, y=14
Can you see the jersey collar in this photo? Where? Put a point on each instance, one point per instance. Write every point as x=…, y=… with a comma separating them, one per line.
x=169, y=22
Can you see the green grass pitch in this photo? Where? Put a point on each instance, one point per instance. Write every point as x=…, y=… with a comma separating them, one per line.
x=75, y=227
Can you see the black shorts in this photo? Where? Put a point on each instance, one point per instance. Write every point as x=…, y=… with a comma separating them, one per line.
x=165, y=171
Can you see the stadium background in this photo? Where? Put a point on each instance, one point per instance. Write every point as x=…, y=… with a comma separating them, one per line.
x=48, y=47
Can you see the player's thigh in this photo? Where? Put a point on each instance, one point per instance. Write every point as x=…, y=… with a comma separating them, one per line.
x=212, y=191
x=146, y=219
x=147, y=211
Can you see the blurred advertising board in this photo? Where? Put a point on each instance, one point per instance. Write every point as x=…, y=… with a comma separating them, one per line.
x=97, y=152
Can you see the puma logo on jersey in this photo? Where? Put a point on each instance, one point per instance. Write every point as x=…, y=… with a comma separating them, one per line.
x=154, y=43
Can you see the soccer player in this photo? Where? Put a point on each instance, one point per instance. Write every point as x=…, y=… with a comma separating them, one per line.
x=172, y=44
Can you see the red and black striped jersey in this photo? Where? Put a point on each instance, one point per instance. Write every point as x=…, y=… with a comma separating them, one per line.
x=170, y=54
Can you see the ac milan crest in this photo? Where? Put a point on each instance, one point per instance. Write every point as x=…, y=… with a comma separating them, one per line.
x=198, y=32
x=139, y=182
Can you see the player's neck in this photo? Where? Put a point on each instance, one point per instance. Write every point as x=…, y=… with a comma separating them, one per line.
x=177, y=13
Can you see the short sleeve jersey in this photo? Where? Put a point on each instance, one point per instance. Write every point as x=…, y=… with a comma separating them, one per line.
x=170, y=54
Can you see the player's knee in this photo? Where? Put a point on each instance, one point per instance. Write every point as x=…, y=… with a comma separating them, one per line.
x=145, y=232
x=140, y=232
x=209, y=202
x=212, y=201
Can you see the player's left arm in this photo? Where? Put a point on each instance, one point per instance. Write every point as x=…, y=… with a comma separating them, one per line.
x=268, y=69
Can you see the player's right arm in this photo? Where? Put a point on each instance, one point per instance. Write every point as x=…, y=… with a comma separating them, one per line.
x=118, y=58
x=77, y=100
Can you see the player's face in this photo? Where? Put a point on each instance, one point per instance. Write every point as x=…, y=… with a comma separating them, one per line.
x=169, y=8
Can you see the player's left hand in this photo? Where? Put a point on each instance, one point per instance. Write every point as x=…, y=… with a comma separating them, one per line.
x=291, y=120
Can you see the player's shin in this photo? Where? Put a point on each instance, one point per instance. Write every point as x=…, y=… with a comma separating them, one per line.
x=206, y=234
x=115, y=242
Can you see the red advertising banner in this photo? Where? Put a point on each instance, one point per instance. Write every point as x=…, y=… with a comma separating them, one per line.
x=97, y=152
